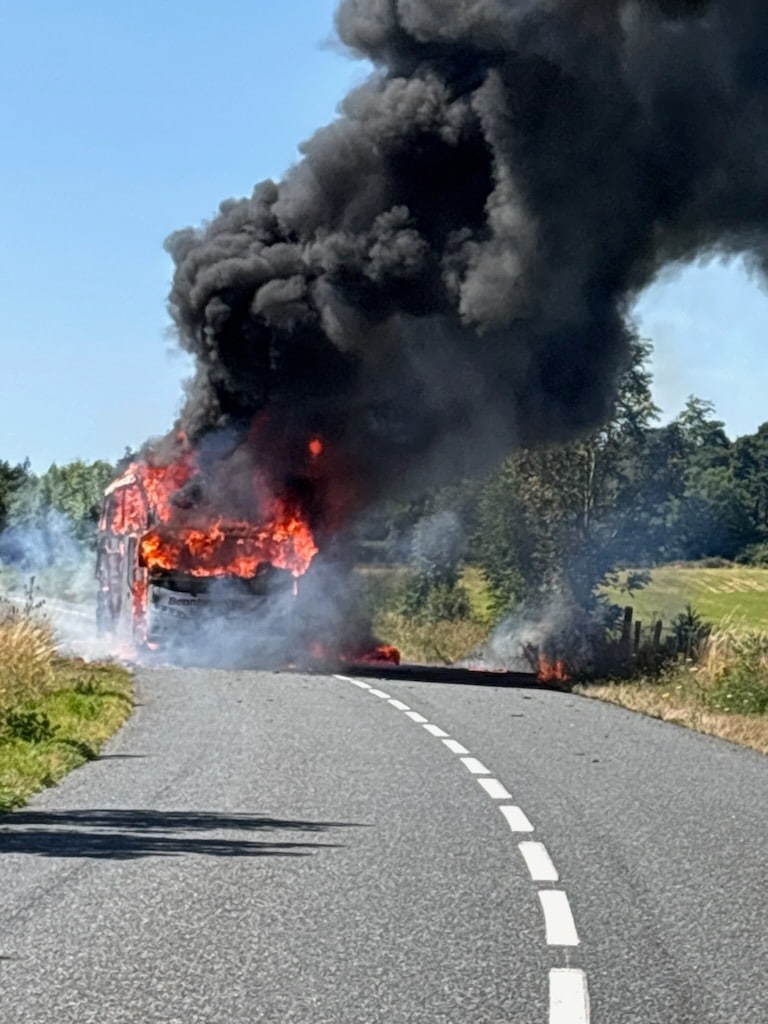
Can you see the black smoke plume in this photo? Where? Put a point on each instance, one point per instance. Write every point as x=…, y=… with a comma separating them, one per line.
x=447, y=271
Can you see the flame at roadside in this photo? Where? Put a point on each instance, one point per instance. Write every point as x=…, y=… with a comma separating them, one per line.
x=552, y=671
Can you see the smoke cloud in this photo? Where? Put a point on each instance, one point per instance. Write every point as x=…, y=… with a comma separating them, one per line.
x=447, y=271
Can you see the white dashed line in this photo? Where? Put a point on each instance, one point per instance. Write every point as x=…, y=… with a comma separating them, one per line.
x=455, y=747
x=398, y=704
x=435, y=730
x=516, y=820
x=494, y=789
x=416, y=717
x=568, y=993
x=355, y=682
x=539, y=862
x=558, y=919
x=568, y=997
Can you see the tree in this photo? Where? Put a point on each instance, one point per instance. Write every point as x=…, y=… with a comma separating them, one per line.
x=711, y=517
x=750, y=472
x=558, y=520
x=12, y=479
x=53, y=515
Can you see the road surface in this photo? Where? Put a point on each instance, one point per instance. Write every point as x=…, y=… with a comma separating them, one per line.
x=287, y=848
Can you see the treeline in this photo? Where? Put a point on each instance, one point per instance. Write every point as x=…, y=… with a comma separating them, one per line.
x=45, y=516
x=564, y=520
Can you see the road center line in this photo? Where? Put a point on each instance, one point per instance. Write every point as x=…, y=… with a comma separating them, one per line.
x=355, y=682
x=558, y=919
x=435, y=730
x=398, y=704
x=416, y=717
x=568, y=997
x=516, y=820
x=455, y=747
x=494, y=789
x=539, y=862
x=568, y=993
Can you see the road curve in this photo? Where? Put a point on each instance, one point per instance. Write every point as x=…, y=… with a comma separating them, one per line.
x=277, y=847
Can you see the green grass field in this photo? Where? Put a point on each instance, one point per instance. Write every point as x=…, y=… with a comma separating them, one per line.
x=736, y=592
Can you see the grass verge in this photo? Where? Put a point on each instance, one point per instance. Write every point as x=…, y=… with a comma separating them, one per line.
x=55, y=713
x=724, y=693
x=44, y=738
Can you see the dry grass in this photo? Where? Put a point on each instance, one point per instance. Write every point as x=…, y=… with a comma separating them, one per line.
x=733, y=645
x=27, y=652
x=725, y=693
x=439, y=643
x=671, y=705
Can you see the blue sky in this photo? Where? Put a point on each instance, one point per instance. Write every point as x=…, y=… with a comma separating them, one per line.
x=121, y=123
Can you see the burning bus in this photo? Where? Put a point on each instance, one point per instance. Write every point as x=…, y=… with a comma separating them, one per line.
x=206, y=557
x=170, y=557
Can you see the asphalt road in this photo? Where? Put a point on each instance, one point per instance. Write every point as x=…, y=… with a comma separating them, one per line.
x=275, y=847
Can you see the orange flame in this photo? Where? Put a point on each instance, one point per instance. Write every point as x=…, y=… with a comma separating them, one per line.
x=383, y=653
x=232, y=548
x=550, y=672
x=315, y=447
x=198, y=540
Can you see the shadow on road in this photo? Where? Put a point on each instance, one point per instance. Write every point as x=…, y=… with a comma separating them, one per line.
x=130, y=834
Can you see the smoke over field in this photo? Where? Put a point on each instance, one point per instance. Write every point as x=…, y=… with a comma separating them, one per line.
x=446, y=271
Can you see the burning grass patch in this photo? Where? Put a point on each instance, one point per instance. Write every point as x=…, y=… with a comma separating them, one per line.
x=55, y=713
x=724, y=693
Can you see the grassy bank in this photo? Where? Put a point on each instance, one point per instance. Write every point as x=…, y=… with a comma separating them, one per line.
x=55, y=713
x=724, y=693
